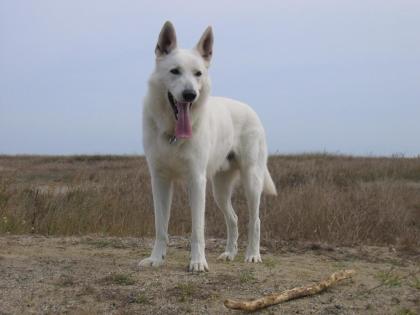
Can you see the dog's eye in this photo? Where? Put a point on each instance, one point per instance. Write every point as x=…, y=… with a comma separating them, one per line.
x=175, y=71
x=198, y=74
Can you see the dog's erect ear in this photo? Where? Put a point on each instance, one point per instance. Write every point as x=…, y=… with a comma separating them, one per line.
x=167, y=40
x=205, y=45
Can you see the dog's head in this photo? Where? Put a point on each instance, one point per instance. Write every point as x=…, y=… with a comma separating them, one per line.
x=183, y=75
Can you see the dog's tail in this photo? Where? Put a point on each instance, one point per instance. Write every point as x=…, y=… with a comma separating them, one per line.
x=269, y=187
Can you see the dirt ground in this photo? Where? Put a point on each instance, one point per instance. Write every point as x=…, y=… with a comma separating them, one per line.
x=99, y=275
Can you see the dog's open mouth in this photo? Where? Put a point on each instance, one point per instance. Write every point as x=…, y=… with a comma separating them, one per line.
x=183, y=129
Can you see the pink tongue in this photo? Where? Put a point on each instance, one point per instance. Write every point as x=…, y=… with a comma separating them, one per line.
x=183, y=124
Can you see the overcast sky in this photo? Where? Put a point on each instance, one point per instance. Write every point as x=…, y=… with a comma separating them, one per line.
x=336, y=76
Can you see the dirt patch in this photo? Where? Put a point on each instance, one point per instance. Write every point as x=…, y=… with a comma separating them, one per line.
x=92, y=275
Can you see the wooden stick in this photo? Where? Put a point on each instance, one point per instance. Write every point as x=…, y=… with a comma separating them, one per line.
x=280, y=297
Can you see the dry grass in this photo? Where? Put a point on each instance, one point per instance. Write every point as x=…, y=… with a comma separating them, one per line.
x=325, y=198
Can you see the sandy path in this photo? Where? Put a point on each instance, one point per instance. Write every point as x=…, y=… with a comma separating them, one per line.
x=97, y=275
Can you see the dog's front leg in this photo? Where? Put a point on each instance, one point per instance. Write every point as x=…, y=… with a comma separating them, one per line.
x=197, y=197
x=162, y=198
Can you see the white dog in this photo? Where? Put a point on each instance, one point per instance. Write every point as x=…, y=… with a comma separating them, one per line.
x=190, y=135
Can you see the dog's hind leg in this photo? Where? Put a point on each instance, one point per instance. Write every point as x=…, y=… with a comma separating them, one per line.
x=252, y=179
x=223, y=184
x=162, y=198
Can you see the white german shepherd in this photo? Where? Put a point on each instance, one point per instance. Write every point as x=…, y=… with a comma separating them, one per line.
x=190, y=135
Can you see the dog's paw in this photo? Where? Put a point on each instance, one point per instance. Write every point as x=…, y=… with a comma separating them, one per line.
x=151, y=262
x=253, y=258
x=198, y=266
x=227, y=256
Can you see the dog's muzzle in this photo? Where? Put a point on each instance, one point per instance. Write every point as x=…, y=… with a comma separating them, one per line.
x=173, y=105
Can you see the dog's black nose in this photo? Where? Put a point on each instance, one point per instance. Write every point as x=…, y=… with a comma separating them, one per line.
x=189, y=95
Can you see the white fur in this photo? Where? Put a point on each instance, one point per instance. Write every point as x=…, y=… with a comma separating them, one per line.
x=220, y=126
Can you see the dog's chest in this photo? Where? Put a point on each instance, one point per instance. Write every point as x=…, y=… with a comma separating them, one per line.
x=176, y=159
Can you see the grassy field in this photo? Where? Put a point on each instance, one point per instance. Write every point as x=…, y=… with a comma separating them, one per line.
x=336, y=199
x=84, y=222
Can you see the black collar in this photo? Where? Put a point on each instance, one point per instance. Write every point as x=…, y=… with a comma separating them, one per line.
x=171, y=138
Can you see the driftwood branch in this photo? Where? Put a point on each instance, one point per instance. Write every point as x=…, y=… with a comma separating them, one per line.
x=280, y=297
